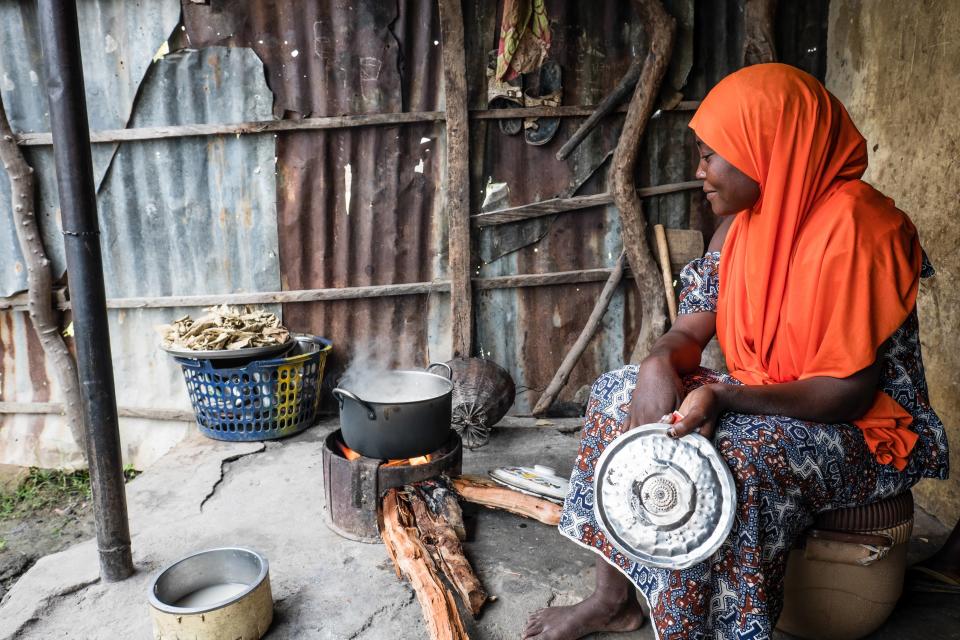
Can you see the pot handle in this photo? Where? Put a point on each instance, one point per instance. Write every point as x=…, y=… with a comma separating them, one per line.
x=343, y=393
x=444, y=365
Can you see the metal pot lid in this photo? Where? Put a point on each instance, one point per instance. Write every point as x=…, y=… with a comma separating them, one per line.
x=662, y=501
x=538, y=480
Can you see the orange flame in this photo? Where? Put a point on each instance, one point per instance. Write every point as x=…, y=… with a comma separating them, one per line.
x=347, y=452
x=350, y=454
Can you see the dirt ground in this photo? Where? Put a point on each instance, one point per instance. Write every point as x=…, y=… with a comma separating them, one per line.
x=29, y=537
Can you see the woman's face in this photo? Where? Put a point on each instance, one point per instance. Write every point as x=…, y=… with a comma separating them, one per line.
x=728, y=189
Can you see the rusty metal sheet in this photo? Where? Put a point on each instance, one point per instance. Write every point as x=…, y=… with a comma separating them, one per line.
x=321, y=58
x=359, y=206
x=186, y=216
x=529, y=330
x=118, y=40
x=365, y=206
x=178, y=217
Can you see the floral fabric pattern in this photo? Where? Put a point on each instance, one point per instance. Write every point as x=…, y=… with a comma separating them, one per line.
x=785, y=471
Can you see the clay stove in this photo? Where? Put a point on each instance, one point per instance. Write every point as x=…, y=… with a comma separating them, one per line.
x=353, y=484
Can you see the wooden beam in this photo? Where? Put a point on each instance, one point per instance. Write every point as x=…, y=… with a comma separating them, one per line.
x=107, y=136
x=457, y=191
x=685, y=245
x=56, y=408
x=559, y=205
x=243, y=128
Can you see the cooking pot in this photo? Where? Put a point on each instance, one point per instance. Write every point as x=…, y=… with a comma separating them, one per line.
x=397, y=414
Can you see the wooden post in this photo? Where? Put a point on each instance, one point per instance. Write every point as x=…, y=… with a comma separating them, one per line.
x=758, y=41
x=660, y=28
x=40, y=279
x=663, y=252
x=458, y=175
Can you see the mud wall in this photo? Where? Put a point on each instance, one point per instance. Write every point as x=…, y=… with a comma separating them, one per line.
x=896, y=66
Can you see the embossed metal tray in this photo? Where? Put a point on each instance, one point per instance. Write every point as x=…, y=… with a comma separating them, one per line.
x=662, y=501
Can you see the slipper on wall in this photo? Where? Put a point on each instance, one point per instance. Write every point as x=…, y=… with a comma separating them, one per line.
x=504, y=94
x=545, y=90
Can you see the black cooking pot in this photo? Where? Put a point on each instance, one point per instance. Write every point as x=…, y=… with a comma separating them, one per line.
x=397, y=414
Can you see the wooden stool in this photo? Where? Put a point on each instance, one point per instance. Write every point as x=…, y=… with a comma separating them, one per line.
x=846, y=574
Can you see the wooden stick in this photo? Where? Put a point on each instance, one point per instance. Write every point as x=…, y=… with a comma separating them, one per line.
x=684, y=238
x=243, y=128
x=56, y=408
x=412, y=560
x=488, y=493
x=687, y=243
x=663, y=252
x=612, y=100
x=255, y=127
x=593, y=322
x=344, y=293
x=440, y=538
x=660, y=28
x=453, y=55
x=559, y=205
x=40, y=279
x=758, y=40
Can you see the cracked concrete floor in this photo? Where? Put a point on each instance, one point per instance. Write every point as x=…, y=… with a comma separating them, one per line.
x=269, y=496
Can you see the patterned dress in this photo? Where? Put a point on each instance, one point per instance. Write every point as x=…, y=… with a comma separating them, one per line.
x=785, y=470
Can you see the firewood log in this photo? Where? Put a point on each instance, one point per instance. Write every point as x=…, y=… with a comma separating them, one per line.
x=444, y=545
x=412, y=559
x=488, y=493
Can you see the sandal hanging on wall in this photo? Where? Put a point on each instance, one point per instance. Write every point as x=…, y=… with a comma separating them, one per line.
x=545, y=90
x=504, y=94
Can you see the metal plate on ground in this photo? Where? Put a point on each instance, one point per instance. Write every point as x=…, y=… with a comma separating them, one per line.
x=538, y=480
x=662, y=501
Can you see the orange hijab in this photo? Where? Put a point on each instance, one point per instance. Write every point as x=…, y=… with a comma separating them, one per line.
x=824, y=268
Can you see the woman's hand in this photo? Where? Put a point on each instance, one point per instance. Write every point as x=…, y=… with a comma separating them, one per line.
x=659, y=391
x=701, y=410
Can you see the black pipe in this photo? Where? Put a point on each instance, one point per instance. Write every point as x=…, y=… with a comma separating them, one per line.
x=81, y=239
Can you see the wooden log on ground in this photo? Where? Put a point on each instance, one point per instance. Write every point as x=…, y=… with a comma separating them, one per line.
x=660, y=28
x=442, y=500
x=444, y=545
x=663, y=253
x=457, y=191
x=412, y=560
x=488, y=493
x=593, y=322
x=40, y=279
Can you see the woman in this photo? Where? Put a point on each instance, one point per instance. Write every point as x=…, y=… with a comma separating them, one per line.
x=810, y=286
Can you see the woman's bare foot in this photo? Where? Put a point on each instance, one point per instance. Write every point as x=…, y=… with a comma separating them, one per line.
x=589, y=616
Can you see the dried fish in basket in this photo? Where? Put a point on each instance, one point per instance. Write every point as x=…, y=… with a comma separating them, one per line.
x=483, y=392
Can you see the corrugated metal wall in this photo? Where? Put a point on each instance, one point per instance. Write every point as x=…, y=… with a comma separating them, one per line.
x=350, y=207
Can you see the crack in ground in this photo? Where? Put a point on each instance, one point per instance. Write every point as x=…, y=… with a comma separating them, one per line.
x=373, y=616
x=223, y=469
x=47, y=604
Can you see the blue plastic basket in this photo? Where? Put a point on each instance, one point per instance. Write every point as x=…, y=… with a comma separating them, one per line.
x=260, y=400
